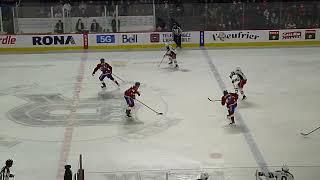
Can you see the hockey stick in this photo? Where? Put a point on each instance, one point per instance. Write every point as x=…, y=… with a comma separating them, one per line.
x=118, y=77
x=158, y=113
x=162, y=59
x=305, y=134
x=213, y=99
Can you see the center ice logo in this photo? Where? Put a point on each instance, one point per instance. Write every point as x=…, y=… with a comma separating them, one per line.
x=53, y=109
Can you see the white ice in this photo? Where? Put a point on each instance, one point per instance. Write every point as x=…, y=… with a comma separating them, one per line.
x=283, y=96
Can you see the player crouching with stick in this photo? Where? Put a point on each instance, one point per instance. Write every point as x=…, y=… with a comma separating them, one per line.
x=130, y=96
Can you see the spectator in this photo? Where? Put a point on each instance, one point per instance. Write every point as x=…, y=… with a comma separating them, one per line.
x=110, y=6
x=8, y=25
x=82, y=5
x=161, y=25
x=59, y=27
x=290, y=25
x=114, y=25
x=80, y=26
x=67, y=9
x=5, y=171
x=83, y=9
x=58, y=14
x=58, y=10
x=274, y=21
x=95, y=27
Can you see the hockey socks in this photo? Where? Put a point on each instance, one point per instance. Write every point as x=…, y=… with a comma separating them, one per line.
x=128, y=112
x=232, y=121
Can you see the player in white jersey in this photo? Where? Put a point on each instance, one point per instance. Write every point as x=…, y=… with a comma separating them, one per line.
x=203, y=176
x=282, y=174
x=240, y=79
x=5, y=171
x=172, y=55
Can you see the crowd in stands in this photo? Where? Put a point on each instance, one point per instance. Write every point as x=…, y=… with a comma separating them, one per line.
x=241, y=14
x=194, y=15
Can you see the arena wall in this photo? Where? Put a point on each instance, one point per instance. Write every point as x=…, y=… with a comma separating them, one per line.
x=155, y=40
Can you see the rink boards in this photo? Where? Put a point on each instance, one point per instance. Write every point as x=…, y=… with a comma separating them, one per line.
x=156, y=40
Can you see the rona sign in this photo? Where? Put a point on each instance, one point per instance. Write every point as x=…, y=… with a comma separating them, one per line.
x=53, y=40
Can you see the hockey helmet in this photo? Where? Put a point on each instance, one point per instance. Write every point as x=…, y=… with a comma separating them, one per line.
x=9, y=162
x=137, y=84
x=285, y=168
x=204, y=176
x=102, y=60
x=238, y=69
x=174, y=24
x=225, y=92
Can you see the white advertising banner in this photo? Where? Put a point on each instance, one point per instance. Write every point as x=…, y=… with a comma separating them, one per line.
x=132, y=38
x=235, y=36
x=7, y=41
x=186, y=37
x=16, y=41
x=109, y=39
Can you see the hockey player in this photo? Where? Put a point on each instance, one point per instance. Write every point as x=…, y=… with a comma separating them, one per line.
x=130, y=95
x=5, y=171
x=106, y=70
x=203, y=176
x=230, y=100
x=176, y=32
x=240, y=79
x=172, y=55
x=277, y=175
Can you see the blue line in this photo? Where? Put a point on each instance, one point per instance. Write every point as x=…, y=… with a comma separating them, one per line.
x=247, y=135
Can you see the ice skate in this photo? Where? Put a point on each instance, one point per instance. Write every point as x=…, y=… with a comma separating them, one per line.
x=103, y=85
x=128, y=113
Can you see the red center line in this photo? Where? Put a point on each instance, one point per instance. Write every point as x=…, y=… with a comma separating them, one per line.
x=71, y=120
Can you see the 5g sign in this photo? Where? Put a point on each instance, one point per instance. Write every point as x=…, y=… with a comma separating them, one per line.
x=105, y=39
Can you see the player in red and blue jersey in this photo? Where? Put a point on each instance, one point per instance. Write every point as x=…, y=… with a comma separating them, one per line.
x=230, y=100
x=130, y=95
x=106, y=70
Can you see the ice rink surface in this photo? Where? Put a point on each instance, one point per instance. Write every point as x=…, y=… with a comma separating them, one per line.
x=53, y=109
